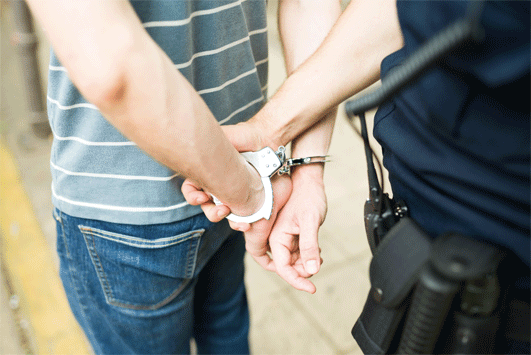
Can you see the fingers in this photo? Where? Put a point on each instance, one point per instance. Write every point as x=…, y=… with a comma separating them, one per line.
x=240, y=226
x=215, y=213
x=194, y=195
x=309, y=245
x=265, y=262
x=258, y=250
x=286, y=270
x=299, y=267
x=257, y=235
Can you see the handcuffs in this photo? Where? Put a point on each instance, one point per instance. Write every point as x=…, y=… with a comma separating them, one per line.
x=268, y=162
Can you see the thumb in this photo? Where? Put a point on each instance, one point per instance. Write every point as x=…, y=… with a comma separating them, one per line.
x=243, y=137
x=309, y=245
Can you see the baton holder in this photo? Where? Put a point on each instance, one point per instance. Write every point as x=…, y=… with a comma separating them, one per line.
x=431, y=296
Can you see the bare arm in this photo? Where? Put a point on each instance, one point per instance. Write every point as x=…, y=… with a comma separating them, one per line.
x=347, y=62
x=300, y=39
x=116, y=65
x=294, y=238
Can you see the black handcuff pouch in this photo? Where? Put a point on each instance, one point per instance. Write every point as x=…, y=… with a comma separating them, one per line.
x=451, y=294
x=393, y=272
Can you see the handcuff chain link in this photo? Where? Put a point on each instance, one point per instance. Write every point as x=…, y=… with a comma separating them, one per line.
x=286, y=164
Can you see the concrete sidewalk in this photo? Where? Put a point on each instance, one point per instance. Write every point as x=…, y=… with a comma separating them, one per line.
x=11, y=339
x=284, y=320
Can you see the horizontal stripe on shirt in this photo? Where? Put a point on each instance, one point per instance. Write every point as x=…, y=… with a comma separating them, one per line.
x=196, y=55
x=220, y=47
x=187, y=20
x=117, y=208
x=113, y=176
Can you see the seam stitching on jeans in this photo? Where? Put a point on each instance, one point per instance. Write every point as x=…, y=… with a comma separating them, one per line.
x=107, y=291
x=142, y=243
x=191, y=258
x=59, y=218
x=156, y=306
x=187, y=272
x=71, y=272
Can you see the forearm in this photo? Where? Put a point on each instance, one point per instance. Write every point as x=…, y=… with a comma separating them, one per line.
x=300, y=39
x=172, y=123
x=119, y=68
x=347, y=62
x=303, y=25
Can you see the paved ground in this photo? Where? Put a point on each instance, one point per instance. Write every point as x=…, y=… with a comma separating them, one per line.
x=284, y=321
x=10, y=338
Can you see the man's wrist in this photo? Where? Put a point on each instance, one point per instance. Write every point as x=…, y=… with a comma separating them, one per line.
x=310, y=172
x=266, y=131
x=274, y=122
x=255, y=194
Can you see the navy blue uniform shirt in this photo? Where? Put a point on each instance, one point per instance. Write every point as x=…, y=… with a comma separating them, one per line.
x=456, y=143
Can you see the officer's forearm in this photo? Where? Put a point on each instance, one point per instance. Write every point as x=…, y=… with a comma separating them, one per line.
x=119, y=68
x=303, y=27
x=347, y=62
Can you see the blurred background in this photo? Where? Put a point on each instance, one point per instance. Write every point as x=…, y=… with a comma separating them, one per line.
x=34, y=315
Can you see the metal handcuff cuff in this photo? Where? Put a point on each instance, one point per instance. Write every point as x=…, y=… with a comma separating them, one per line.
x=268, y=162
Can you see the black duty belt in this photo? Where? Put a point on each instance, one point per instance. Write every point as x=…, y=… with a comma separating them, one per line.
x=449, y=295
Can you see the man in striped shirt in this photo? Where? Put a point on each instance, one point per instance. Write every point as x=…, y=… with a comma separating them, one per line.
x=136, y=95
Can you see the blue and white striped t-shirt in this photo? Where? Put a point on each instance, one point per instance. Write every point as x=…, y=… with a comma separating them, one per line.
x=220, y=46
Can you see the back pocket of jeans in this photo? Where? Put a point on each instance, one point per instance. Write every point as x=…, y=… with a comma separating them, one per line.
x=138, y=273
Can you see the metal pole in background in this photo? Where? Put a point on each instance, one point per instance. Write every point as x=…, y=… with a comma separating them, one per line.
x=26, y=41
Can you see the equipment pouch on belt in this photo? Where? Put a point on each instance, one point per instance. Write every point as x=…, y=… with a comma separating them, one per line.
x=448, y=295
x=393, y=272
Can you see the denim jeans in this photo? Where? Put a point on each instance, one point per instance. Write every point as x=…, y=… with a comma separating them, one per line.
x=149, y=289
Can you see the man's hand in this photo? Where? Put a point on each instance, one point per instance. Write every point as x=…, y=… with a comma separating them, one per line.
x=245, y=137
x=293, y=240
x=291, y=237
x=257, y=233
